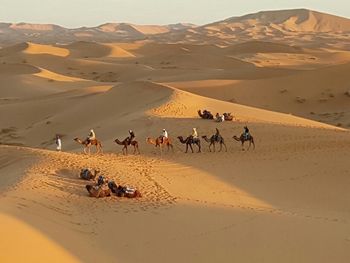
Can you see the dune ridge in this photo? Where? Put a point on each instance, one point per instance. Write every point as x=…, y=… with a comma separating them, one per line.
x=283, y=74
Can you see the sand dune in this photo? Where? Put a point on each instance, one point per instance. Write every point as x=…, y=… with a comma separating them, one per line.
x=284, y=74
x=32, y=48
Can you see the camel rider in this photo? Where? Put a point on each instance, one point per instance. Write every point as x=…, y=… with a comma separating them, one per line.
x=132, y=136
x=194, y=134
x=246, y=133
x=217, y=134
x=164, y=135
x=92, y=136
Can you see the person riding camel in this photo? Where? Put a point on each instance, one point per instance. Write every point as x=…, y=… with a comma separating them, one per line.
x=131, y=137
x=246, y=133
x=163, y=135
x=194, y=134
x=92, y=136
x=217, y=134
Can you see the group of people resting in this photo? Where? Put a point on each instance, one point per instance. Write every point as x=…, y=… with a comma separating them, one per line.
x=103, y=187
x=226, y=116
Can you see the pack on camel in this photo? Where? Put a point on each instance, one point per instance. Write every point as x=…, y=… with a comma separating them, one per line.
x=213, y=140
x=205, y=115
x=189, y=141
x=98, y=191
x=88, y=143
x=126, y=142
x=159, y=142
x=244, y=139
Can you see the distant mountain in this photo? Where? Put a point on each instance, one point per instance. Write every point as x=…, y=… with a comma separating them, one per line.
x=297, y=26
x=297, y=20
x=290, y=26
x=109, y=32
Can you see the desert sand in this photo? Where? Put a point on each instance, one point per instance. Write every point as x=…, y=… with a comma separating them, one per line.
x=284, y=201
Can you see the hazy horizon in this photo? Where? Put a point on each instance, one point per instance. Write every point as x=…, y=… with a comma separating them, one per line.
x=149, y=12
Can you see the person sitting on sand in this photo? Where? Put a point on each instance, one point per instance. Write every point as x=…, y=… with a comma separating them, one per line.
x=246, y=133
x=219, y=118
x=91, y=136
x=163, y=135
x=58, y=143
x=101, y=180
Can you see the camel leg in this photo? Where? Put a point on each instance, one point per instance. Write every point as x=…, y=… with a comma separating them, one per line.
x=225, y=146
x=214, y=146
x=199, y=147
x=220, y=147
x=186, y=148
x=191, y=148
x=126, y=150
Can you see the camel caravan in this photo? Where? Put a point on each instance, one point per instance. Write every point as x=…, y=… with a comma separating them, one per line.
x=103, y=187
x=164, y=141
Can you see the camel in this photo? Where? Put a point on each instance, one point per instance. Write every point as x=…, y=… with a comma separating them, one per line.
x=98, y=191
x=87, y=144
x=86, y=174
x=189, y=141
x=213, y=140
x=158, y=142
x=228, y=116
x=127, y=142
x=124, y=191
x=243, y=139
x=205, y=115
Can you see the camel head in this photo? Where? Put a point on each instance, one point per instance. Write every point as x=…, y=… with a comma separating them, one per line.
x=236, y=138
x=149, y=140
x=181, y=139
x=204, y=137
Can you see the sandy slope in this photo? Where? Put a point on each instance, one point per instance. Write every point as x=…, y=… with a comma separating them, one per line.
x=285, y=201
x=317, y=94
x=294, y=184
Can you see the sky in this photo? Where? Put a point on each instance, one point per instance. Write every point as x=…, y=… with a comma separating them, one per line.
x=77, y=13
